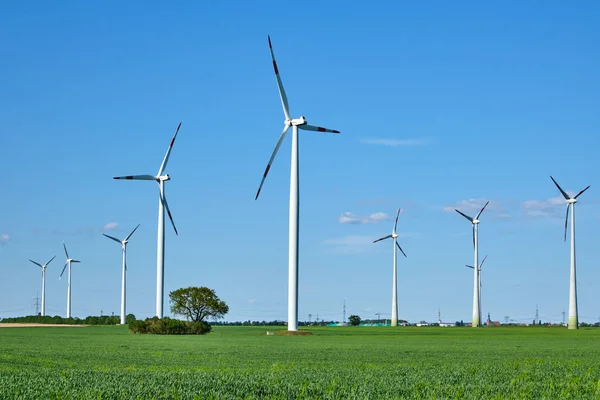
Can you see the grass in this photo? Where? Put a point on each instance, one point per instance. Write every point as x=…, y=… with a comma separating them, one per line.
x=333, y=363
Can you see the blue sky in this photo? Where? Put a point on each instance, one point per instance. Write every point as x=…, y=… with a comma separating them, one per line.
x=439, y=106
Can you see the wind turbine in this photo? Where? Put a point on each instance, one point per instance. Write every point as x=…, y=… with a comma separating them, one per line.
x=123, y=244
x=298, y=123
x=162, y=204
x=68, y=263
x=394, y=236
x=476, y=300
x=43, y=267
x=573, y=318
x=479, y=279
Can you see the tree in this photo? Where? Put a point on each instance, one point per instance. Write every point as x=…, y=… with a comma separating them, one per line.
x=129, y=318
x=354, y=320
x=197, y=303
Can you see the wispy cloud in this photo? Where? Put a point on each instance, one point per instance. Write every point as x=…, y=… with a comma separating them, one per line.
x=351, y=218
x=252, y=301
x=88, y=230
x=472, y=206
x=550, y=208
x=399, y=142
x=4, y=238
x=110, y=226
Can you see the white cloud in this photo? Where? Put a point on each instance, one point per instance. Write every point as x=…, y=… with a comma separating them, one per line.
x=4, y=237
x=252, y=301
x=351, y=218
x=398, y=142
x=110, y=226
x=550, y=208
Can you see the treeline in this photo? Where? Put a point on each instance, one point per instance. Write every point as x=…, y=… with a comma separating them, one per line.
x=168, y=326
x=58, y=320
x=270, y=323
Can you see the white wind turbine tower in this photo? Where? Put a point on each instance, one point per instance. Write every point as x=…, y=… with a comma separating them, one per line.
x=573, y=317
x=43, y=267
x=123, y=244
x=476, y=300
x=299, y=123
x=394, y=236
x=479, y=279
x=162, y=204
x=68, y=263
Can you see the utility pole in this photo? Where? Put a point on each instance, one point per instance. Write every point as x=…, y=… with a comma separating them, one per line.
x=36, y=303
x=537, y=315
x=344, y=320
x=563, y=313
x=506, y=319
x=439, y=316
x=378, y=317
x=309, y=317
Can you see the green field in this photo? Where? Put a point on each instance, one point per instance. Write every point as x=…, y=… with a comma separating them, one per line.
x=334, y=363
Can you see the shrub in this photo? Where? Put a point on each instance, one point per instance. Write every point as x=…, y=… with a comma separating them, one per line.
x=168, y=326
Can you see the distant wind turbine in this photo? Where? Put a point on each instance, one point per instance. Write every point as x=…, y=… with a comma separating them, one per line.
x=123, y=244
x=43, y=267
x=476, y=300
x=296, y=124
x=162, y=204
x=394, y=236
x=573, y=317
x=479, y=278
x=68, y=264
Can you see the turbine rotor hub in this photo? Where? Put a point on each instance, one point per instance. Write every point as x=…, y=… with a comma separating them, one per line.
x=299, y=121
x=571, y=201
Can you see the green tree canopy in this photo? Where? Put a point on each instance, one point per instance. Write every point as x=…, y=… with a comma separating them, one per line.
x=197, y=303
x=354, y=320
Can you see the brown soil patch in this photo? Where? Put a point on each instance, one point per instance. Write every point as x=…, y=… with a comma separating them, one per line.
x=294, y=333
x=33, y=324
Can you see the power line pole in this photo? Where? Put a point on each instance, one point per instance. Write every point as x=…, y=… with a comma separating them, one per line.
x=506, y=319
x=309, y=317
x=378, y=317
x=36, y=303
x=344, y=320
x=563, y=313
x=537, y=315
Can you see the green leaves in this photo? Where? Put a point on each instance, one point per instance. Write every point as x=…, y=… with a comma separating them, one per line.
x=197, y=303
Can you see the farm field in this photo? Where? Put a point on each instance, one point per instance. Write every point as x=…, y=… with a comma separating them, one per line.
x=334, y=363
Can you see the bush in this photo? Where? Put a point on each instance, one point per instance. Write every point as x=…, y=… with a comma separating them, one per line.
x=129, y=318
x=168, y=326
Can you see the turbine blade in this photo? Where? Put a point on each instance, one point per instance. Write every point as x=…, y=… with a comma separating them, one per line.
x=578, y=194
x=63, y=271
x=316, y=128
x=482, y=262
x=164, y=201
x=565, y=195
x=38, y=264
x=128, y=236
x=166, y=159
x=282, y=95
x=401, y=249
x=396, y=223
x=464, y=215
x=383, y=238
x=77, y=261
x=566, y=220
x=473, y=235
x=113, y=238
x=66, y=253
x=483, y=208
x=50, y=260
x=470, y=266
x=137, y=177
x=285, y=129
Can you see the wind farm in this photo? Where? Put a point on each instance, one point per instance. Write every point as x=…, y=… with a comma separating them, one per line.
x=405, y=111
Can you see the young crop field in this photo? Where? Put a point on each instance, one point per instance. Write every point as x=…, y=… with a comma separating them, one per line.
x=334, y=363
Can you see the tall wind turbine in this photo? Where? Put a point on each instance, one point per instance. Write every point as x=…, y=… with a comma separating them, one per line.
x=68, y=263
x=573, y=318
x=394, y=236
x=479, y=279
x=43, y=267
x=298, y=123
x=162, y=204
x=476, y=300
x=123, y=244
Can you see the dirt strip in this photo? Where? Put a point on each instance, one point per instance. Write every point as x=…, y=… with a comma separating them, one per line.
x=33, y=324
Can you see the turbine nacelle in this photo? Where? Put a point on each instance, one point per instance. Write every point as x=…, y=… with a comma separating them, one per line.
x=298, y=121
x=572, y=200
x=163, y=178
x=475, y=221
